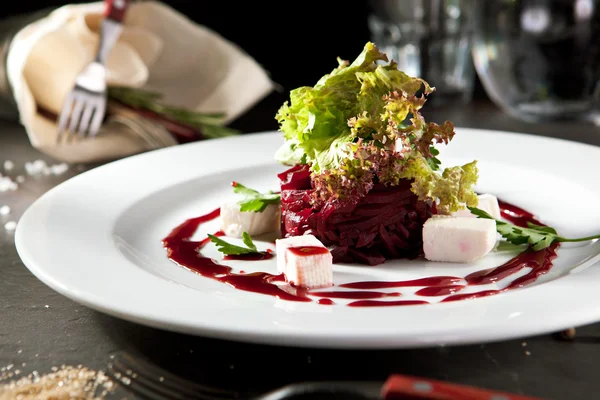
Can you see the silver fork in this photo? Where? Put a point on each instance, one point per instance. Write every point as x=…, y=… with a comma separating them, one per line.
x=149, y=381
x=84, y=108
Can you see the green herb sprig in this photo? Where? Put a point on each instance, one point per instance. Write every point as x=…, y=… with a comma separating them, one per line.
x=252, y=200
x=535, y=236
x=231, y=249
x=209, y=124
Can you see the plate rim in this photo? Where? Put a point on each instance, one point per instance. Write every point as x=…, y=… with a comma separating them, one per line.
x=580, y=316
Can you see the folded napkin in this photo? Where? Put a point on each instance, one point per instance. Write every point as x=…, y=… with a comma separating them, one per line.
x=160, y=50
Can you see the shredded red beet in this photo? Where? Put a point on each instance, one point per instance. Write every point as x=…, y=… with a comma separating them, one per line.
x=385, y=224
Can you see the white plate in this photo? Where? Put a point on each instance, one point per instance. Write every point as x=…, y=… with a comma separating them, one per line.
x=97, y=240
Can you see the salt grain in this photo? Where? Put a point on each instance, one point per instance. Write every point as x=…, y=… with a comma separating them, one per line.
x=10, y=226
x=4, y=210
x=40, y=167
x=20, y=179
x=35, y=167
x=7, y=184
x=8, y=165
x=59, y=169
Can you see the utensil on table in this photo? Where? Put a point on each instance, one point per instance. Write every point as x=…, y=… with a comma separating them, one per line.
x=150, y=381
x=85, y=107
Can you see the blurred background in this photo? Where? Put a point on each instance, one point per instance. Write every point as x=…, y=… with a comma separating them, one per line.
x=295, y=42
x=536, y=60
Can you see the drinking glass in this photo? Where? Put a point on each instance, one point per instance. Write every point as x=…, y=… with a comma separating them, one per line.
x=430, y=39
x=539, y=59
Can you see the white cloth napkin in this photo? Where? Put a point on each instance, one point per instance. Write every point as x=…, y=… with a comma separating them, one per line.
x=160, y=50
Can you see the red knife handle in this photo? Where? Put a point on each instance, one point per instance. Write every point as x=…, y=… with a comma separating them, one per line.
x=115, y=9
x=407, y=387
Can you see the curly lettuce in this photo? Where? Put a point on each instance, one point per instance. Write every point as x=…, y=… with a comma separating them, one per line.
x=361, y=123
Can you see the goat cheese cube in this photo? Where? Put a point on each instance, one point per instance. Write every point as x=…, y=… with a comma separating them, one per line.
x=487, y=203
x=295, y=241
x=235, y=222
x=459, y=240
x=305, y=261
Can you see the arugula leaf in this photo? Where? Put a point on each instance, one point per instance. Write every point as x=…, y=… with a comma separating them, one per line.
x=535, y=236
x=231, y=249
x=254, y=201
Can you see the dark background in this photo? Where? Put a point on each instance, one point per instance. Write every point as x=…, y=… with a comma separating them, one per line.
x=296, y=41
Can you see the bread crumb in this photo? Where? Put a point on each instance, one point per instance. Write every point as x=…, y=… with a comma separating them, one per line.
x=63, y=383
x=568, y=334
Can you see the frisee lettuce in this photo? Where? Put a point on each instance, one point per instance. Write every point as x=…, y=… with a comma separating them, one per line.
x=362, y=122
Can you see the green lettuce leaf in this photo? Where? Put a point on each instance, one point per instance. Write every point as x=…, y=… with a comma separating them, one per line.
x=316, y=119
x=361, y=124
x=452, y=189
x=290, y=153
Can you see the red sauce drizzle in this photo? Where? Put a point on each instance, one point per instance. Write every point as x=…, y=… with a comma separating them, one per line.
x=540, y=262
x=430, y=281
x=327, y=302
x=355, y=294
x=378, y=303
x=250, y=257
x=439, y=290
x=184, y=252
x=308, y=250
x=517, y=215
x=468, y=296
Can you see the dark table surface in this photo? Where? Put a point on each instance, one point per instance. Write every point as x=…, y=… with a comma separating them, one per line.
x=40, y=329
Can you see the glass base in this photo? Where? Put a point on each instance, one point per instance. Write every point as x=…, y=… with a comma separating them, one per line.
x=544, y=111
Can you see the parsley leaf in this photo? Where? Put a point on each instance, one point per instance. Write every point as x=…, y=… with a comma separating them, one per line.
x=433, y=161
x=254, y=200
x=231, y=249
x=535, y=236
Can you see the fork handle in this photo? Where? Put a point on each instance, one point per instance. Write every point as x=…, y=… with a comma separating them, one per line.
x=405, y=387
x=115, y=9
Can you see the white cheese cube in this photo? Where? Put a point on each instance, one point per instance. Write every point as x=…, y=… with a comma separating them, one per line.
x=305, y=261
x=235, y=222
x=487, y=203
x=309, y=266
x=459, y=240
x=295, y=241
